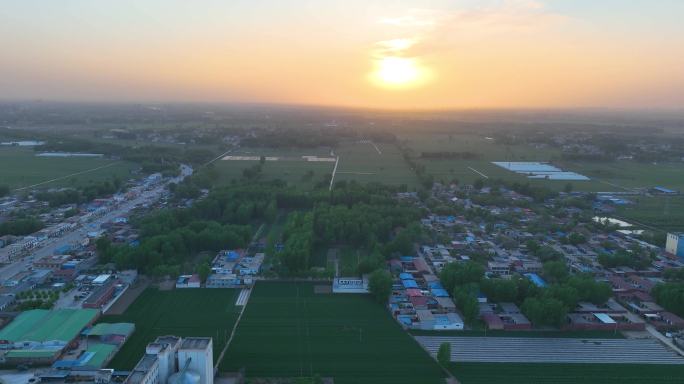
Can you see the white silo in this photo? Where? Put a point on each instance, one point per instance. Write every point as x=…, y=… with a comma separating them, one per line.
x=196, y=354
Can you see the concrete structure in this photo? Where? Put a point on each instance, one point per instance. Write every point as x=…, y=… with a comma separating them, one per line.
x=196, y=354
x=172, y=360
x=350, y=285
x=188, y=281
x=675, y=244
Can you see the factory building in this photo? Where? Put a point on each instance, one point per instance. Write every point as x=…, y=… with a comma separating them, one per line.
x=171, y=359
x=675, y=244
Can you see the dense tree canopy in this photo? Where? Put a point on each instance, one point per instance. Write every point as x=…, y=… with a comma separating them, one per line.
x=21, y=226
x=380, y=285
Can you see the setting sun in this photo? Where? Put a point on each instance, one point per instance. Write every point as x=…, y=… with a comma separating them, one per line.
x=398, y=72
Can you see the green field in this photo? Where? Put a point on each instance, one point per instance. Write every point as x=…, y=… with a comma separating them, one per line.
x=288, y=331
x=662, y=212
x=606, y=176
x=180, y=312
x=530, y=373
x=21, y=168
x=360, y=161
x=621, y=175
x=291, y=168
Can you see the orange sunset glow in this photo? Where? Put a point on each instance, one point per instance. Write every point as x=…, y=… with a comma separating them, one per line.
x=412, y=54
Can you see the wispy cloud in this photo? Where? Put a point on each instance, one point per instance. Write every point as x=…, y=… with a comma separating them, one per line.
x=422, y=31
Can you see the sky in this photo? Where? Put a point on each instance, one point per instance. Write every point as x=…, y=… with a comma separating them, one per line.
x=359, y=53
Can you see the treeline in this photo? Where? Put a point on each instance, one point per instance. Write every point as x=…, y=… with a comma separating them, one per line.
x=167, y=253
x=151, y=158
x=543, y=306
x=297, y=138
x=80, y=194
x=284, y=137
x=445, y=155
x=635, y=258
x=21, y=226
x=426, y=179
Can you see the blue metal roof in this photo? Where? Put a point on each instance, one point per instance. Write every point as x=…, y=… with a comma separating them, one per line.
x=439, y=292
x=405, y=276
x=409, y=283
x=536, y=279
x=435, y=285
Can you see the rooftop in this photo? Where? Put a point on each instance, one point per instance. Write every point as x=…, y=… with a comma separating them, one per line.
x=40, y=325
x=196, y=343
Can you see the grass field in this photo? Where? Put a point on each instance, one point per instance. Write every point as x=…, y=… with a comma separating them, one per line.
x=606, y=176
x=486, y=373
x=631, y=174
x=21, y=168
x=662, y=212
x=361, y=161
x=467, y=171
x=291, y=168
x=288, y=331
x=181, y=312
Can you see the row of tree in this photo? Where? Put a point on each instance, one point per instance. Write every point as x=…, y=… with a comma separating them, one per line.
x=21, y=226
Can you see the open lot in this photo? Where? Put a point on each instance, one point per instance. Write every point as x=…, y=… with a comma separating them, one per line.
x=288, y=331
x=662, y=212
x=21, y=168
x=290, y=167
x=181, y=312
x=481, y=167
x=606, y=176
x=532, y=373
x=373, y=162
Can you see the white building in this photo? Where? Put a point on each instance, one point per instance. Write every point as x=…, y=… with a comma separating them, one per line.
x=675, y=244
x=350, y=285
x=172, y=360
x=196, y=354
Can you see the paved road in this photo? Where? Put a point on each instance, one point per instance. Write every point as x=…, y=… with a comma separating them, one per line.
x=654, y=332
x=147, y=197
x=553, y=350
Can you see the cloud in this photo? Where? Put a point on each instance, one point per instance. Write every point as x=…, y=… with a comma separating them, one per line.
x=394, y=47
x=424, y=31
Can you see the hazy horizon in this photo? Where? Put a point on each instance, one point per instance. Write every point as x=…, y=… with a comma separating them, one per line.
x=386, y=55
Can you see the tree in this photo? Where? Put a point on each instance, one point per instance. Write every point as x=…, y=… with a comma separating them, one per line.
x=544, y=311
x=500, y=290
x=576, y=238
x=468, y=305
x=444, y=354
x=458, y=274
x=567, y=188
x=478, y=184
x=4, y=190
x=380, y=285
x=204, y=270
x=670, y=296
x=564, y=293
x=555, y=271
x=589, y=289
